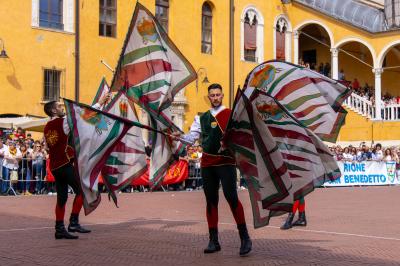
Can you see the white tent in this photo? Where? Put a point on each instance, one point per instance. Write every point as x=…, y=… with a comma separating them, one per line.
x=25, y=122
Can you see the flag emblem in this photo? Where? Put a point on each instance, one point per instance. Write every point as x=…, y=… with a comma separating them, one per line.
x=263, y=77
x=147, y=30
x=269, y=110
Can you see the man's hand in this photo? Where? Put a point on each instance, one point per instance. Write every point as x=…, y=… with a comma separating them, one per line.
x=105, y=98
x=176, y=136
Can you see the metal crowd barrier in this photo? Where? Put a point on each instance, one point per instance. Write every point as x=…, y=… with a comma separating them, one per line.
x=30, y=178
x=194, y=180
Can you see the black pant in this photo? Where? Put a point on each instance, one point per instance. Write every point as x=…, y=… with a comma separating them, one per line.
x=213, y=176
x=65, y=176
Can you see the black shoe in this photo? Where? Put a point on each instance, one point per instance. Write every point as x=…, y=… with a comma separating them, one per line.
x=74, y=225
x=288, y=223
x=213, y=244
x=301, y=221
x=245, y=241
x=61, y=233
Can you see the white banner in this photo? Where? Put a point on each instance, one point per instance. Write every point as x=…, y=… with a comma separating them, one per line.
x=368, y=173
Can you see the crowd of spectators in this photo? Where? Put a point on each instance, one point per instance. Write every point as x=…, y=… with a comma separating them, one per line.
x=365, y=153
x=22, y=164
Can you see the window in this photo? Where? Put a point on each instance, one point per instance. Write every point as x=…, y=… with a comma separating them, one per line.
x=250, y=37
x=162, y=10
x=51, y=14
x=108, y=18
x=280, y=28
x=206, y=29
x=52, y=84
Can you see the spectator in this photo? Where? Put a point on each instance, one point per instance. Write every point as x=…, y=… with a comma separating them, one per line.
x=38, y=166
x=395, y=157
x=327, y=69
x=347, y=156
x=388, y=155
x=19, y=134
x=366, y=154
x=24, y=170
x=377, y=154
x=10, y=166
x=355, y=85
x=3, y=148
x=341, y=75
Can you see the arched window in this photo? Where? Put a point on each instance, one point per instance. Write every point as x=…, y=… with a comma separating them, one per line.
x=206, y=29
x=280, y=34
x=252, y=35
x=162, y=13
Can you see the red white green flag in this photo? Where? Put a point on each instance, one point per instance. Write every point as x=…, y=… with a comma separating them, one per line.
x=275, y=131
x=313, y=99
x=152, y=71
x=128, y=158
x=101, y=91
x=150, y=66
x=95, y=136
x=280, y=159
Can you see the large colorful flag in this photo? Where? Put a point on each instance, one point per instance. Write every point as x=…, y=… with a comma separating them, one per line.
x=280, y=159
x=152, y=70
x=313, y=99
x=95, y=136
x=275, y=131
x=128, y=158
x=151, y=66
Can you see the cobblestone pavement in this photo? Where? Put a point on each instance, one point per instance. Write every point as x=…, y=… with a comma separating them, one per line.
x=347, y=226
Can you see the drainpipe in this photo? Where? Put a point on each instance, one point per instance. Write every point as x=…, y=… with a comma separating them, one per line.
x=77, y=52
x=231, y=52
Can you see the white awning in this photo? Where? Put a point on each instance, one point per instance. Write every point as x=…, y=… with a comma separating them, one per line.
x=25, y=122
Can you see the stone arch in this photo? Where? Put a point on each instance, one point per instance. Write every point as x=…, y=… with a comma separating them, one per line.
x=385, y=51
x=309, y=22
x=359, y=40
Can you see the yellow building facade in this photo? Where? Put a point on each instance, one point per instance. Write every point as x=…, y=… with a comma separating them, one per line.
x=35, y=50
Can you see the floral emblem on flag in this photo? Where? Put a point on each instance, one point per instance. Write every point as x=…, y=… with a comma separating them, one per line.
x=123, y=108
x=269, y=110
x=95, y=119
x=391, y=169
x=147, y=30
x=263, y=77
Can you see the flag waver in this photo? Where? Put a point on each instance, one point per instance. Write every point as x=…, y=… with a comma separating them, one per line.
x=95, y=135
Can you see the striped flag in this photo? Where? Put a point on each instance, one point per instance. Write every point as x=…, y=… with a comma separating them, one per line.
x=313, y=99
x=150, y=66
x=275, y=133
x=152, y=70
x=128, y=158
x=95, y=136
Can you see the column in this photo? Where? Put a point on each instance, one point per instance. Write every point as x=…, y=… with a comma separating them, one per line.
x=296, y=47
x=378, y=92
x=335, y=63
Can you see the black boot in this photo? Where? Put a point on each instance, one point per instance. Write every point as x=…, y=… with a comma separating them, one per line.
x=74, y=225
x=288, y=224
x=213, y=244
x=245, y=241
x=302, y=220
x=61, y=233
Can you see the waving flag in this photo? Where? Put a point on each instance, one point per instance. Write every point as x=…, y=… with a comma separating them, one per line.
x=275, y=131
x=313, y=99
x=128, y=158
x=152, y=70
x=150, y=66
x=95, y=136
x=101, y=91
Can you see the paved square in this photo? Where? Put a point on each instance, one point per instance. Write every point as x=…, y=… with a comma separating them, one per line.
x=347, y=226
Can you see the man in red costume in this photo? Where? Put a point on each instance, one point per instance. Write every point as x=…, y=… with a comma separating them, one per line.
x=56, y=133
x=218, y=167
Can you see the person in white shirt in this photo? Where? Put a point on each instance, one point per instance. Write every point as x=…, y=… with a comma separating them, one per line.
x=10, y=163
x=377, y=155
x=347, y=156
